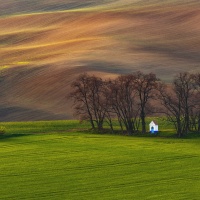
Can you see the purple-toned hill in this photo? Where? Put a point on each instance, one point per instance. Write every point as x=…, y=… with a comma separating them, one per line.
x=42, y=53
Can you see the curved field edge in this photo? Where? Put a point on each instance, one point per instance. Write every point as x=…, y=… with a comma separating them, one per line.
x=52, y=126
x=20, y=128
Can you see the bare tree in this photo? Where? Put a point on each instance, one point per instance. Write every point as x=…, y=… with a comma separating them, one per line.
x=89, y=103
x=122, y=101
x=108, y=97
x=181, y=101
x=198, y=99
x=145, y=85
x=184, y=85
x=171, y=102
x=195, y=109
x=80, y=95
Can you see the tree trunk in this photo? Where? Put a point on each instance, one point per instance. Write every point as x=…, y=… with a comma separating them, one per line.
x=120, y=123
x=143, y=121
x=110, y=123
x=100, y=125
x=130, y=127
x=179, y=128
x=92, y=124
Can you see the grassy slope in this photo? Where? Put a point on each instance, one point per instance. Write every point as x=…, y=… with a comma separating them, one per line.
x=72, y=165
x=42, y=53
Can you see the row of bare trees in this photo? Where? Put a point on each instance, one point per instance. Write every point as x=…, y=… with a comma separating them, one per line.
x=131, y=98
x=181, y=102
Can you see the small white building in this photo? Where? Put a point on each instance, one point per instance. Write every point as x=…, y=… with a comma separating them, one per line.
x=153, y=127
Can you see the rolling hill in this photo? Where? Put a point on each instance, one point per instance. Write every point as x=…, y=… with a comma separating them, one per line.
x=44, y=46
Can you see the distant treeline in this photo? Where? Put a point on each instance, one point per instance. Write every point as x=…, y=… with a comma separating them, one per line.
x=131, y=98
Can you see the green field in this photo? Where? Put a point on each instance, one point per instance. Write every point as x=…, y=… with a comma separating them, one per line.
x=54, y=160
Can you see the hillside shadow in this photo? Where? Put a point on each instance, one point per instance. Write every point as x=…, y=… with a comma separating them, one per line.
x=16, y=113
x=10, y=136
x=104, y=66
